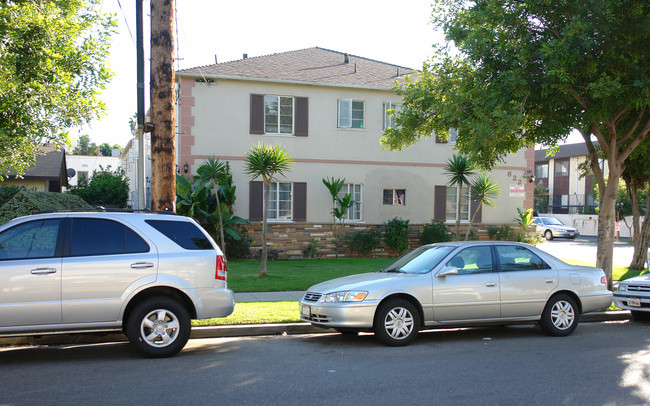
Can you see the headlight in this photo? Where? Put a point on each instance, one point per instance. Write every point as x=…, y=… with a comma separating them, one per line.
x=622, y=287
x=344, y=296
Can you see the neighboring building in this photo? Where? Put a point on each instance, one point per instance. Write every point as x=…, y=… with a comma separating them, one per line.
x=328, y=109
x=49, y=174
x=85, y=165
x=567, y=192
x=129, y=162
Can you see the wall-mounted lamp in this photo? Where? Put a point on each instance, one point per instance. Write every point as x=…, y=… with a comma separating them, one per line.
x=186, y=168
x=529, y=175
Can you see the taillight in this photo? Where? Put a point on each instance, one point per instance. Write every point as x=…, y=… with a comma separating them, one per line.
x=603, y=280
x=222, y=269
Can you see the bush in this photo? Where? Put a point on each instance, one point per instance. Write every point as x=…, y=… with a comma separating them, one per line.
x=9, y=191
x=238, y=249
x=501, y=233
x=434, y=232
x=396, y=237
x=105, y=188
x=363, y=242
x=26, y=202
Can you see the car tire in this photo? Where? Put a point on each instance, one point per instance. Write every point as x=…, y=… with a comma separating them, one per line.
x=158, y=327
x=396, y=323
x=560, y=316
x=548, y=235
x=640, y=316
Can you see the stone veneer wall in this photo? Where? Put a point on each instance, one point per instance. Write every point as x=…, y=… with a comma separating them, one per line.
x=287, y=241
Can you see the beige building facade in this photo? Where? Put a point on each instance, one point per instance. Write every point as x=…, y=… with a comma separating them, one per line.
x=328, y=110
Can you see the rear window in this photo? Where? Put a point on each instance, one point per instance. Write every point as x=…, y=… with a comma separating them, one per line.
x=184, y=233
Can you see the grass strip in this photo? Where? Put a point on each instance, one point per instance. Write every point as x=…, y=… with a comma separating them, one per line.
x=256, y=313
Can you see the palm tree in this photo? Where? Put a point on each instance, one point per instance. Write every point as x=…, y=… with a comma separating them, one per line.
x=334, y=186
x=266, y=161
x=213, y=171
x=459, y=168
x=485, y=190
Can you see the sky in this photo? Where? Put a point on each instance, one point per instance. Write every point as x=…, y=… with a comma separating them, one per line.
x=397, y=32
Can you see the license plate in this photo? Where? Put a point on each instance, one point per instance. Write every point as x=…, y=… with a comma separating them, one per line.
x=306, y=311
x=634, y=302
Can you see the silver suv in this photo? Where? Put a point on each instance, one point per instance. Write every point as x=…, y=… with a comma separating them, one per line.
x=145, y=274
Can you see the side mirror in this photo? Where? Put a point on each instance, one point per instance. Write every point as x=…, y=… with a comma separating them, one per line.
x=448, y=270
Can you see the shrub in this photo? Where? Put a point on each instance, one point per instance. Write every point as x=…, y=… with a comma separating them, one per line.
x=397, y=235
x=502, y=233
x=9, y=191
x=434, y=232
x=240, y=248
x=363, y=242
x=26, y=202
x=310, y=250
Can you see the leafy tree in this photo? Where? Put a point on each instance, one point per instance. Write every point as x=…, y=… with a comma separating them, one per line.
x=484, y=190
x=105, y=149
x=529, y=72
x=213, y=170
x=334, y=186
x=105, y=188
x=459, y=169
x=637, y=179
x=85, y=147
x=52, y=67
x=340, y=205
x=266, y=161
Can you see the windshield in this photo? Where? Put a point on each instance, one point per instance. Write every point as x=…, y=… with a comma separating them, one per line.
x=420, y=260
x=553, y=222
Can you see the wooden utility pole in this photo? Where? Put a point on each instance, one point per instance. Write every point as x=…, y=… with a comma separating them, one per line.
x=163, y=103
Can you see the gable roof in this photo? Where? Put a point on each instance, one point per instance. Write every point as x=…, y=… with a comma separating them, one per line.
x=311, y=65
x=566, y=151
x=51, y=166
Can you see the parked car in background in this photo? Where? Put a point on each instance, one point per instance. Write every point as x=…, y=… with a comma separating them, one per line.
x=634, y=295
x=551, y=228
x=144, y=274
x=459, y=284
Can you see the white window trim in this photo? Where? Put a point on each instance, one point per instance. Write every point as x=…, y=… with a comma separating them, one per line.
x=338, y=115
x=358, y=203
x=293, y=116
x=469, y=206
x=278, y=220
x=389, y=120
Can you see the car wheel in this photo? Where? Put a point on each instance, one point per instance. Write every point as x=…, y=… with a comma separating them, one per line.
x=640, y=316
x=560, y=316
x=396, y=322
x=158, y=327
x=548, y=235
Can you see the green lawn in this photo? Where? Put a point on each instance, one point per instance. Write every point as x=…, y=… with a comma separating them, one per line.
x=243, y=276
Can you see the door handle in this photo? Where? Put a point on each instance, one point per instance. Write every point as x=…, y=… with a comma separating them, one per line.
x=142, y=265
x=491, y=284
x=43, y=271
x=550, y=281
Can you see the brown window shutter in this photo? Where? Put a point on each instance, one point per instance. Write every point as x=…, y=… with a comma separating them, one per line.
x=255, y=201
x=300, y=201
x=302, y=117
x=473, y=206
x=257, y=114
x=440, y=203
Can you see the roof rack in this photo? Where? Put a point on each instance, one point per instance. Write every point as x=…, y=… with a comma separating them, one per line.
x=106, y=210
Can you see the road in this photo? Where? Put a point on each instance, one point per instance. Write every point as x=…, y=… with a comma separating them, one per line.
x=584, y=249
x=600, y=364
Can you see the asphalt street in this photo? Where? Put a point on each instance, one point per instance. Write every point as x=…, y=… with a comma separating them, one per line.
x=584, y=248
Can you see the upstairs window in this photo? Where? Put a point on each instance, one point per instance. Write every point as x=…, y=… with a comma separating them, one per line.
x=541, y=171
x=351, y=114
x=391, y=111
x=278, y=115
x=561, y=168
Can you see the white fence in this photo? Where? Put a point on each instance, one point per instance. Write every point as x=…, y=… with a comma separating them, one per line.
x=587, y=224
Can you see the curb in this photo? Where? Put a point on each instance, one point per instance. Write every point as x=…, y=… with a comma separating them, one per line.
x=233, y=331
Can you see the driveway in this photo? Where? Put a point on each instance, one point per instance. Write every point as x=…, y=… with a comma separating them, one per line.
x=583, y=248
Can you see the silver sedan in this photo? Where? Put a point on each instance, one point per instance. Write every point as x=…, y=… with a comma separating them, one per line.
x=459, y=284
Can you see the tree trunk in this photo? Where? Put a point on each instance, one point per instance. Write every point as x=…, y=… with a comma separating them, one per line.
x=480, y=203
x=607, y=227
x=223, y=239
x=163, y=116
x=265, y=218
x=641, y=241
x=458, y=200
